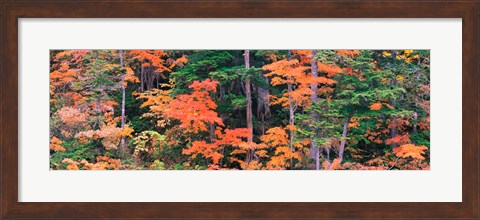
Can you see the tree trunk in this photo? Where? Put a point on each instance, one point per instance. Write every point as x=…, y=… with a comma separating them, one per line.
x=263, y=108
x=142, y=78
x=415, y=115
x=314, y=98
x=344, y=136
x=123, y=104
x=98, y=110
x=393, y=130
x=248, y=94
x=292, y=114
x=291, y=111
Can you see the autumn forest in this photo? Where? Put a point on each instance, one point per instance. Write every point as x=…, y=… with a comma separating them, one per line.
x=240, y=109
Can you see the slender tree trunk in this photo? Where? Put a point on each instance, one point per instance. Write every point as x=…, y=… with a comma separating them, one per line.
x=415, y=118
x=314, y=98
x=344, y=136
x=291, y=111
x=248, y=94
x=212, y=132
x=263, y=108
x=292, y=114
x=393, y=130
x=142, y=78
x=97, y=108
x=415, y=115
x=123, y=104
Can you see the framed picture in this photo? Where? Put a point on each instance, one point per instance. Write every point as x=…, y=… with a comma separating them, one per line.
x=213, y=109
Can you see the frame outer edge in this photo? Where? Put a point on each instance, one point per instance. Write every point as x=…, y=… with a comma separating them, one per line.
x=11, y=208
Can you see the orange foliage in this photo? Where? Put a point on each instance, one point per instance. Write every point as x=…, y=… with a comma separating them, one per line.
x=125, y=132
x=410, y=150
x=196, y=111
x=229, y=138
x=354, y=122
x=330, y=69
x=399, y=139
x=72, y=165
x=70, y=115
x=109, y=134
x=152, y=58
x=56, y=144
x=335, y=165
x=348, y=53
x=376, y=106
x=277, y=138
x=102, y=163
x=292, y=72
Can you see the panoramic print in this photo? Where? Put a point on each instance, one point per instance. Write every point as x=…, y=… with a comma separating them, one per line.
x=240, y=109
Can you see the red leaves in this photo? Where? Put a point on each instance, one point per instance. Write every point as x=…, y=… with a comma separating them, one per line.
x=399, y=139
x=196, y=110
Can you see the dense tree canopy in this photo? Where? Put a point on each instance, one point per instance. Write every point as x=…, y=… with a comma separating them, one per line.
x=239, y=109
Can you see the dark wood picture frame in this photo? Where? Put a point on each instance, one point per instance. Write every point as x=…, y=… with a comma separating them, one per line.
x=12, y=10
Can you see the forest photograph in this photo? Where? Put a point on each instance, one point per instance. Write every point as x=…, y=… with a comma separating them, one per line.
x=240, y=109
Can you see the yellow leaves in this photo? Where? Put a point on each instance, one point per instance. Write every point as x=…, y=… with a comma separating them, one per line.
x=111, y=66
x=156, y=97
x=182, y=59
x=130, y=76
x=56, y=144
x=376, y=106
x=410, y=150
x=354, y=122
x=399, y=78
x=277, y=138
x=261, y=153
x=407, y=52
x=125, y=132
x=281, y=159
x=387, y=53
